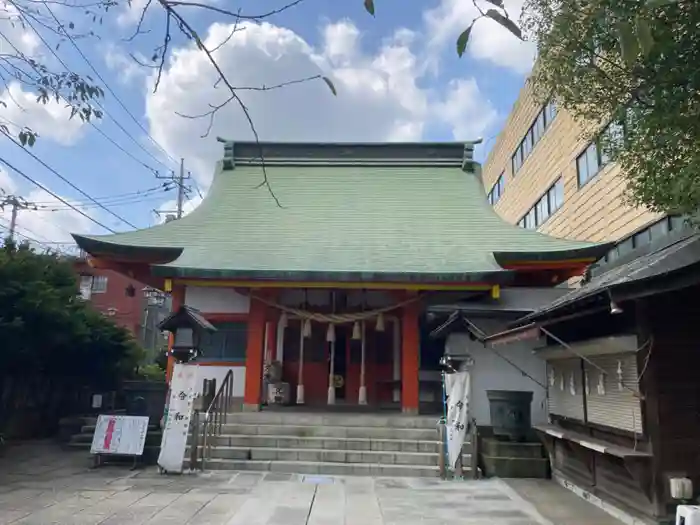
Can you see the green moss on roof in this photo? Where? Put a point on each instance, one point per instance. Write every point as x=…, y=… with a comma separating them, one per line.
x=353, y=221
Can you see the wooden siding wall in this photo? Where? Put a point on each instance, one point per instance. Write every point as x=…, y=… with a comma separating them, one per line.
x=672, y=385
x=594, y=212
x=617, y=407
x=562, y=401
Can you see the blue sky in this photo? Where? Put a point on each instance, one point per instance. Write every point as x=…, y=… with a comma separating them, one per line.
x=397, y=74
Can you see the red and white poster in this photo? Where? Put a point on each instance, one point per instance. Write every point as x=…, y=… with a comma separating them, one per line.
x=120, y=435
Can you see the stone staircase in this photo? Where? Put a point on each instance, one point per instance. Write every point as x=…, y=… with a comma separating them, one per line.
x=508, y=459
x=329, y=444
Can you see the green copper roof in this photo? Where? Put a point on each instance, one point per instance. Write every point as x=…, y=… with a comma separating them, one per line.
x=393, y=212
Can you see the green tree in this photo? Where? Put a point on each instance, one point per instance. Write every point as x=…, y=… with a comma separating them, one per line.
x=632, y=63
x=49, y=335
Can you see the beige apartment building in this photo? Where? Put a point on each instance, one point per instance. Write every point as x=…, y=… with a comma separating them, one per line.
x=542, y=174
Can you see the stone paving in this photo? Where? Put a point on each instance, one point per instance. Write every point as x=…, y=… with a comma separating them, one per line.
x=40, y=485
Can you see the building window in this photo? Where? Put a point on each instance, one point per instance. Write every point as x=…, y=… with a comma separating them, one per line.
x=497, y=190
x=99, y=284
x=596, y=156
x=86, y=286
x=228, y=343
x=545, y=207
x=643, y=237
x=536, y=131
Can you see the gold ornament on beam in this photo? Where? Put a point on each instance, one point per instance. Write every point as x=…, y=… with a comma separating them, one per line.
x=330, y=334
x=307, y=328
x=380, y=322
x=356, y=335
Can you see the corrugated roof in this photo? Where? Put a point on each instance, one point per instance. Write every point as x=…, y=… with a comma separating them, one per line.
x=670, y=259
x=365, y=220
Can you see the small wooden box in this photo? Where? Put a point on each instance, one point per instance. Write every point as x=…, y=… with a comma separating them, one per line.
x=278, y=393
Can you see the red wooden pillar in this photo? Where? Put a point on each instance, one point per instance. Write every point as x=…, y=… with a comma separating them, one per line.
x=410, y=358
x=254, y=356
x=178, y=300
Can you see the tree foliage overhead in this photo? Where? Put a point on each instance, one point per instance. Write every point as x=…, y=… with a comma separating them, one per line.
x=633, y=63
x=47, y=330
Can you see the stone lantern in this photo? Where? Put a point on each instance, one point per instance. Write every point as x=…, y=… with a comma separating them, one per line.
x=187, y=326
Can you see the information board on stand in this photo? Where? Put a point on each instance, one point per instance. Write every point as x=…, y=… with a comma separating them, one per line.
x=179, y=414
x=119, y=436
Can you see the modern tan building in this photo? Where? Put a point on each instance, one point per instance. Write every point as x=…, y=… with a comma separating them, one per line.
x=542, y=174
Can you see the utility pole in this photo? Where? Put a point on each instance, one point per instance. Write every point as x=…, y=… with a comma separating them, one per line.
x=181, y=188
x=179, y=180
x=17, y=203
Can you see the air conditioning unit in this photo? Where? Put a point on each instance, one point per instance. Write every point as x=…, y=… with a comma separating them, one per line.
x=688, y=515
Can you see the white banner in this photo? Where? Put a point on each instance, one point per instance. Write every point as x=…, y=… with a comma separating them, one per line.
x=120, y=435
x=182, y=393
x=457, y=386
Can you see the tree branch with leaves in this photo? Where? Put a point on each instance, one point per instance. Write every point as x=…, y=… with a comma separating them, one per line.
x=631, y=63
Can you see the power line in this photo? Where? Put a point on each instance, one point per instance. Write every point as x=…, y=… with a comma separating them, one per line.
x=99, y=76
x=70, y=183
x=196, y=186
x=104, y=110
x=118, y=196
x=64, y=201
x=20, y=234
x=115, y=204
x=110, y=139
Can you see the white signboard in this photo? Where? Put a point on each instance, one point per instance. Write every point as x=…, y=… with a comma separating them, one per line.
x=121, y=435
x=457, y=386
x=182, y=394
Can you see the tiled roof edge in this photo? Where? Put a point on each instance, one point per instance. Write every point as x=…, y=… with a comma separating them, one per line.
x=449, y=154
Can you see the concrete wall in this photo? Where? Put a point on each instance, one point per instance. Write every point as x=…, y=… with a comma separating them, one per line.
x=594, y=212
x=491, y=372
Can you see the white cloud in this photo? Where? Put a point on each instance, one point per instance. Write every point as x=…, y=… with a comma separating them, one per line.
x=126, y=67
x=168, y=207
x=47, y=227
x=13, y=30
x=132, y=12
x=463, y=98
x=488, y=40
x=7, y=185
x=380, y=96
x=50, y=120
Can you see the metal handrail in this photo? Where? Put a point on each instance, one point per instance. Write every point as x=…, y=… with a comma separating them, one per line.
x=214, y=419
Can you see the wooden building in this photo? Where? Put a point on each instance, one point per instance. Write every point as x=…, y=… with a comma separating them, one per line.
x=324, y=258
x=622, y=372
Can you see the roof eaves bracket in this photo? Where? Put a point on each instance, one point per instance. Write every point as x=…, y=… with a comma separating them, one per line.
x=468, y=163
x=229, y=162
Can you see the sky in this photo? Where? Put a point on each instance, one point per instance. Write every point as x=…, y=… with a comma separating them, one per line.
x=397, y=77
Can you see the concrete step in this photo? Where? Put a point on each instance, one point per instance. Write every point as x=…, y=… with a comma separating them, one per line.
x=324, y=468
x=326, y=456
x=344, y=420
x=505, y=467
x=301, y=430
x=328, y=443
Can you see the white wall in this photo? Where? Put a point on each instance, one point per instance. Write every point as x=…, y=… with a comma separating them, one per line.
x=218, y=373
x=491, y=372
x=208, y=299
